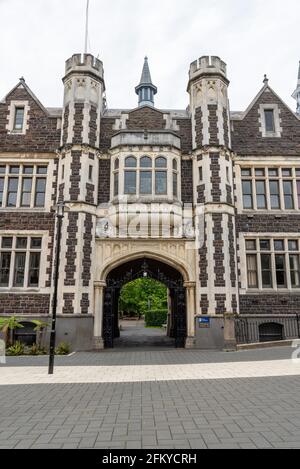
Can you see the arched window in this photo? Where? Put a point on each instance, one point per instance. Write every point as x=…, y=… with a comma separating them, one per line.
x=160, y=162
x=116, y=177
x=146, y=176
x=175, y=178
x=146, y=162
x=130, y=162
x=130, y=176
x=161, y=185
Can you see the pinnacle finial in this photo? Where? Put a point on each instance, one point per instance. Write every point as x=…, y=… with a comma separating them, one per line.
x=266, y=79
x=22, y=79
x=146, y=90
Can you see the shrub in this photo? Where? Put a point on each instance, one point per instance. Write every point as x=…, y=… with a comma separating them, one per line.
x=156, y=318
x=63, y=349
x=17, y=349
x=36, y=350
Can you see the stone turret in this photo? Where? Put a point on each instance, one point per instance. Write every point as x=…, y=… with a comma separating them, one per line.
x=78, y=181
x=83, y=100
x=213, y=184
x=208, y=89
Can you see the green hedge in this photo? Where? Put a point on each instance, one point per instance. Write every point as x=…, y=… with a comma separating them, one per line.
x=156, y=318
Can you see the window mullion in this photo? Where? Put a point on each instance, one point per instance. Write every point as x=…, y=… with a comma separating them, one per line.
x=32, y=197
x=268, y=194
x=5, y=189
x=27, y=260
x=295, y=192
x=19, y=193
x=273, y=267
x=12, y=265
x=259, y=271
x=288, y=271
x=281, y=192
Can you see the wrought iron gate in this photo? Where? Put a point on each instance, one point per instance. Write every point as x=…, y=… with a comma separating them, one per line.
x=111, y=295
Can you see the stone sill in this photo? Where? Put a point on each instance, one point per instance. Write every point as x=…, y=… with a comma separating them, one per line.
x=263, y=345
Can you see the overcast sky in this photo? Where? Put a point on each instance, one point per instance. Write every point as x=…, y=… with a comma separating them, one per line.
x=253, y=36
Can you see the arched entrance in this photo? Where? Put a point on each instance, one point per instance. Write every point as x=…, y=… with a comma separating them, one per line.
x=139, y=268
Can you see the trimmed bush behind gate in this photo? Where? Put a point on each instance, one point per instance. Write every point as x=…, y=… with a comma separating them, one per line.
x=156, y=318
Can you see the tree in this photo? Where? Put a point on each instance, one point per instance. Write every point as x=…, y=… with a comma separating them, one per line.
x=7, y=327
x=40, y=329
x=135, y=296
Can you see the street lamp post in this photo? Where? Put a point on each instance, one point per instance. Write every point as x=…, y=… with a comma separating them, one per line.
x=60, y=215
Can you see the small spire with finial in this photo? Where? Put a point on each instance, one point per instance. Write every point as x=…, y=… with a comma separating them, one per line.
x=266, y=80
x=22, y=79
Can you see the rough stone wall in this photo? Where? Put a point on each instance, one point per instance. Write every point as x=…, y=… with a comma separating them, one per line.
x=266, y=223
x=266, y=303
x=104, y=181
x=42, y=135
x=187, y=181
x=185, y=133
x=146, y=118
x=247, y=138
x=106, y=133
x=14, y=304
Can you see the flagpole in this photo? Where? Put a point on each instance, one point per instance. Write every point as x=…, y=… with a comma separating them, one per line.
x=86, y=27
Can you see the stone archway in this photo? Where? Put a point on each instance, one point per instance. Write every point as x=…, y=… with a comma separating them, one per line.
x=113, y=254
x=139, y=268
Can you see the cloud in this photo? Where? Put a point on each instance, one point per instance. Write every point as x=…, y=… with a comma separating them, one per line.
x=254, y=37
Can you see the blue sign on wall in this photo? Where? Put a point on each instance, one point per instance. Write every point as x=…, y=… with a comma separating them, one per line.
x=204, y=323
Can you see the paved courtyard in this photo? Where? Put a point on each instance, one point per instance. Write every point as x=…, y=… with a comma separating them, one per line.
x=157, y=398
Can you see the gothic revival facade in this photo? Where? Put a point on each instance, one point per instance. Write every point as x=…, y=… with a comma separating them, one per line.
x=228, y=184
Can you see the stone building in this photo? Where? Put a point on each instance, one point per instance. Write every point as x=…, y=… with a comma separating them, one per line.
x=205, y=200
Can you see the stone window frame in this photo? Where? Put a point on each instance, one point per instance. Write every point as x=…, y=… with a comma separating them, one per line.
x=12, y=114
x=21, y=175
x=286, y=252
x=277, y=120
x=43, y=259
x=120, y=171
x=294, y=178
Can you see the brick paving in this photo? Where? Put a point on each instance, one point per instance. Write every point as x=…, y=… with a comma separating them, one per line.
x=232, y=412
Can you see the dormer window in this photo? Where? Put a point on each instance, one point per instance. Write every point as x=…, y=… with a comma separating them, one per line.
x=269, y=120
x=19, y=119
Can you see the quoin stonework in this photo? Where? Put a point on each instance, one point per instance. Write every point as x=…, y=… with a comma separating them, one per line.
x=204, y=199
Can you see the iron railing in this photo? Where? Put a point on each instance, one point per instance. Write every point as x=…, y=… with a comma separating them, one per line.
x=247, y=328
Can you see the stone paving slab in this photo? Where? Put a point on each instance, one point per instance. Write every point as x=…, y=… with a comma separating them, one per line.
x=144, y=373
x=153, y=356
x=200, y=400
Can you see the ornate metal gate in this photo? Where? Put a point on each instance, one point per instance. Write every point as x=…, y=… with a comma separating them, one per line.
x=115, y=282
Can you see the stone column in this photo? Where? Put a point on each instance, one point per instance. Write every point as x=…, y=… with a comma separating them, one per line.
x=191, y=312
x=229, y=333
x=98, y=315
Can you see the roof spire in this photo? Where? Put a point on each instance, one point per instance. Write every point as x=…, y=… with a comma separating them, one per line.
x=266, y=80
x=296, y=94
x=146, y=90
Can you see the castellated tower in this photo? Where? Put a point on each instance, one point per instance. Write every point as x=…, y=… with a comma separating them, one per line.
x=78, y=180
x=213, y=185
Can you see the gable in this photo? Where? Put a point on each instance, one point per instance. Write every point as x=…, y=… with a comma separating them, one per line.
x=247, y=135
x=145, y=118
x=42, y=130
